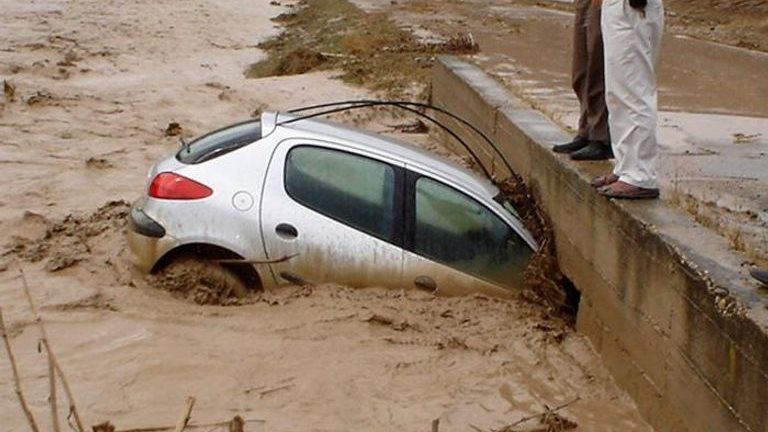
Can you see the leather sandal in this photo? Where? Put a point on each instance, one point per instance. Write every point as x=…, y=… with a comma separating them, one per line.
x=621, y=190
x=605, y=180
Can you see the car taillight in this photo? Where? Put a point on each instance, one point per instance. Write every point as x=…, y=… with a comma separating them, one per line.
x=168, y=185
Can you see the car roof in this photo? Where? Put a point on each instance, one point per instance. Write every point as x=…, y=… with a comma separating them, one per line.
x=401, y=150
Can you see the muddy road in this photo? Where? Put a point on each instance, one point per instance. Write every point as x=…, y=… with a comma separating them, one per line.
x=92, y=87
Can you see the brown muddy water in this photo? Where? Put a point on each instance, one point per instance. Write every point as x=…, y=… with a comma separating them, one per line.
x=95, y=86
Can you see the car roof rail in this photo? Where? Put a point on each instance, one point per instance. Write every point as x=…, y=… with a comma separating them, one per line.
x=410, y=106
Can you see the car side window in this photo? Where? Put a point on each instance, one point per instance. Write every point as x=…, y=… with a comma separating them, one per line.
x=350, y=188
x=454, y=229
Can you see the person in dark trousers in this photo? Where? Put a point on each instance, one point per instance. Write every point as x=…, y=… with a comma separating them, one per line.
x=761, y=275
x=592, y=141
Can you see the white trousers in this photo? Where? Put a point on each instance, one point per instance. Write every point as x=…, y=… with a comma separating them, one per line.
x=632, y=39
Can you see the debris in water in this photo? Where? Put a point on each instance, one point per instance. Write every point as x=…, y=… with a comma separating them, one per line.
x=416, y=127
x=104, y=427
x=98, y=163
x=236, y=424
x=61, y=262
x=67, y=242
x=39, y=97
x=393, y=323
x=740, y=138
x=9, y=90
x=548, y=421
x=173, y=129
x=544, y=282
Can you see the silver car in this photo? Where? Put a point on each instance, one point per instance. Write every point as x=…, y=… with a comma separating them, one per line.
x=278, y=201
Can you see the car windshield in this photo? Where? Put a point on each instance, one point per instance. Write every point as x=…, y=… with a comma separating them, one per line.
x=220, y=142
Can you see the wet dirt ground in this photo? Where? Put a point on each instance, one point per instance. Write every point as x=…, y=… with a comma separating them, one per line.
x=93, y=86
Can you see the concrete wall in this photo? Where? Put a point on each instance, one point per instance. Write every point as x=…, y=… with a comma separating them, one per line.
x=668, y=307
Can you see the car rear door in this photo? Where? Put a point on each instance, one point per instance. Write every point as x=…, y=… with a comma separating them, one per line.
x=455, y=244
x=332, y=215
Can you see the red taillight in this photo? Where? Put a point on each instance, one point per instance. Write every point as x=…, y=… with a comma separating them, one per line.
x=168, y=185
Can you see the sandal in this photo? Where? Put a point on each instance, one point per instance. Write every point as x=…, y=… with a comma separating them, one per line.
x=605, y=180
x=622, y=190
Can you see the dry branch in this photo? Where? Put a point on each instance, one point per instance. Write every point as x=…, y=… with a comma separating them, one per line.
x=547, y=411
x=272, y=390
x=185, y=414
x=52, y=386
x=193, y=426
x=51, y=356
x=436, y=425
x=236, y=424
x=16, y=379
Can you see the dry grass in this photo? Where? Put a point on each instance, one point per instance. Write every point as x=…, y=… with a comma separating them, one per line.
x=369, y=49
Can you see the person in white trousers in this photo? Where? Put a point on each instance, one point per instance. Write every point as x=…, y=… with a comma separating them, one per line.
x=632, y=32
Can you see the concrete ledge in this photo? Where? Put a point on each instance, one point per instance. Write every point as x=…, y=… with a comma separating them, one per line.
x=664, y=301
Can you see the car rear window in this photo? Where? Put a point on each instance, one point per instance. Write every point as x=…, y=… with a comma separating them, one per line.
x=220, y=142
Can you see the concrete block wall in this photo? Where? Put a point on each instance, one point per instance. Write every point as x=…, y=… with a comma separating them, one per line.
x=665, y=303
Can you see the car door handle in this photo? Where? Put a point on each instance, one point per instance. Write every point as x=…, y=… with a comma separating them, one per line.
x=286, y=231
x=426, y=283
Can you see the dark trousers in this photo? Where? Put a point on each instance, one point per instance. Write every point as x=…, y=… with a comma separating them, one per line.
x=587, y=74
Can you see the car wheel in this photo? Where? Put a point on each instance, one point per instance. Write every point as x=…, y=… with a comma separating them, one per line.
x=202, y=281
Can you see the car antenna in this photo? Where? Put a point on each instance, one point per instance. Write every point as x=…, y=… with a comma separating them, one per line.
x=407, y=106
x=184, y=144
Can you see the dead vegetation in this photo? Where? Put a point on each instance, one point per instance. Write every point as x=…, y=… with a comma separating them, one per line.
x=9, y=90
x=547, y=421
x=544, y=282
x=368, y=48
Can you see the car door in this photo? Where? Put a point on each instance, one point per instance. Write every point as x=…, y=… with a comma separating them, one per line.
x=335, y=212
x=455, y=244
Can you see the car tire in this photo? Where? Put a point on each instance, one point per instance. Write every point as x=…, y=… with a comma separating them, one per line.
x=202, y=281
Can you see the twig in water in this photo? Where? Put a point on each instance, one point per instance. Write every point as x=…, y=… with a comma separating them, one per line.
x=190, y=426
x=547, y=411
x=16, y=379
x=236, y=424
x=436, y=425
x=272, y=390
x=51, y=356
x=52, y=386
x=184, y=419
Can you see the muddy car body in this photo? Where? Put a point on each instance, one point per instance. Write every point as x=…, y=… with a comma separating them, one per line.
x=279, y=201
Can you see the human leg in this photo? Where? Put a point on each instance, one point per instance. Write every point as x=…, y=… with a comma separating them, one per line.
x=579, y=78
x=580, y=63
x=597, y=111
x=631, y=40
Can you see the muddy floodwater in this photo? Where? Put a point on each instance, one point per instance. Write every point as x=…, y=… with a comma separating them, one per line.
x=92, y=86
